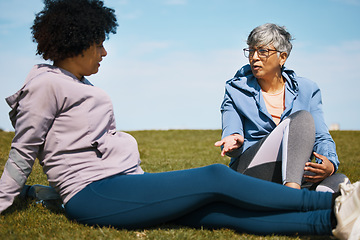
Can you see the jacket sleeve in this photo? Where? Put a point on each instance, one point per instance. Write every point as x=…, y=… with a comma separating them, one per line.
x=34, y=109
x=324, y=144
x=231, y=121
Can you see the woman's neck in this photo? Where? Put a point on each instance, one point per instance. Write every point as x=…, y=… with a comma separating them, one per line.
x=272, y=85
x=68, y=65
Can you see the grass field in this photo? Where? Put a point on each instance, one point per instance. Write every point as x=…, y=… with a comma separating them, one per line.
x=160, y=151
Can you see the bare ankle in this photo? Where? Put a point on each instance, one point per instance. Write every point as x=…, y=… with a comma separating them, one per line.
x=293, y=185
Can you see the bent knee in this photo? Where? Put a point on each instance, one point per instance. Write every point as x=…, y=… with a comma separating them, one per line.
x=218, y=168
x=302, y=115
x=331, y=183
x=302, y=120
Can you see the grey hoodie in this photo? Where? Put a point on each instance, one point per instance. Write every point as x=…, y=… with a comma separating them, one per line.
x=69, y=126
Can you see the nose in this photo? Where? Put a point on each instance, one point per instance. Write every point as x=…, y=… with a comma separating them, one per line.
x=255, y=55
x=103, y=52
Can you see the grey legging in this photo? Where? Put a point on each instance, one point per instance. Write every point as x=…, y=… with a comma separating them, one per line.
x=281, y=155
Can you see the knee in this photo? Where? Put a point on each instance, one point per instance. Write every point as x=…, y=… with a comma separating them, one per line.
x=302, y=120
x=215, y=169
x=331, y=183
x=302, y=115
x=341, y=178
x=218, y=167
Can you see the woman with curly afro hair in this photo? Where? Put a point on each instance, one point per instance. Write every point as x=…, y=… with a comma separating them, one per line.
x=68, y=124
x=66, y=28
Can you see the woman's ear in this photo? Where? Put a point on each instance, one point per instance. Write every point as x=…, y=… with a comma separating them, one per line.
x=282, y=58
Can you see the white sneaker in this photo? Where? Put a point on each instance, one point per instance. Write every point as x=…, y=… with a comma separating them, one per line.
x=347, y=212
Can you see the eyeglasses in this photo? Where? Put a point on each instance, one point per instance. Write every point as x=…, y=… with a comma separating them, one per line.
x=262, y=52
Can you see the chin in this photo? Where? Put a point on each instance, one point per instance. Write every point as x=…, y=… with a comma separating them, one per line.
x=256, y=74
x=95, y=71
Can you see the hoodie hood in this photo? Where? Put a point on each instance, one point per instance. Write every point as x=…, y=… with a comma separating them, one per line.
x=245, y=80
x=36, y=71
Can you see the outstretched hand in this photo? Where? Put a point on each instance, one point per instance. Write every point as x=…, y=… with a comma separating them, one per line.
x=230, y=143
x=320, y=170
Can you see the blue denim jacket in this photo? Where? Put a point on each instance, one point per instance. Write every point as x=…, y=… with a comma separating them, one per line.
x=244, y=111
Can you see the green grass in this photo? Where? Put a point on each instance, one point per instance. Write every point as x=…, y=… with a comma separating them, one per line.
x=160, y=151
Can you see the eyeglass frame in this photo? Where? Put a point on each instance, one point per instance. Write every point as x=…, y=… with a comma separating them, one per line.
x=247, y=52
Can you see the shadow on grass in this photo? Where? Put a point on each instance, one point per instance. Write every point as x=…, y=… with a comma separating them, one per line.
x=182, y=230
x=21, y=204
x=167, y=229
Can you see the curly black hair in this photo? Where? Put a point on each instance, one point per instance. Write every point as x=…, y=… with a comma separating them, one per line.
x=65, y=28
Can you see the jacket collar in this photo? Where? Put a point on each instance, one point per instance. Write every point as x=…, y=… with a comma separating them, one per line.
x=245, y=80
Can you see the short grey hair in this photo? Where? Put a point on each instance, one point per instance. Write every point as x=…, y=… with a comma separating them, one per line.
x=270, y=33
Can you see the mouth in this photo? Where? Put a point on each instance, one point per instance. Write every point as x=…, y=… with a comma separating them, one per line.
x=256, y=67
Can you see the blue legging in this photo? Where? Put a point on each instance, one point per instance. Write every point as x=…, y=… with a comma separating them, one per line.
x=214, y=197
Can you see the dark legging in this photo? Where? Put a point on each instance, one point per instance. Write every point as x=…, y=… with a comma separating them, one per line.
x=214, y=196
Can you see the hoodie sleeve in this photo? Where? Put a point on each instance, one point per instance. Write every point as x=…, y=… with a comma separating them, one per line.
x=33, y=110
x=231, y=121
x=324, y=144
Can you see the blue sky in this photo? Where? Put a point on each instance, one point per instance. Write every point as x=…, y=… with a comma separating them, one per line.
x=168, y=63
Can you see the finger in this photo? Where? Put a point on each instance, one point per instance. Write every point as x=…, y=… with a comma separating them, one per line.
x=312, y=180
x=317, y=171
x=316, y=154
x=310, y=164
x=239, y=139
x=314, y=176
x=219, y=143
x=315, y=165
x=319, y=156
x=223, y=153
x=226, y=149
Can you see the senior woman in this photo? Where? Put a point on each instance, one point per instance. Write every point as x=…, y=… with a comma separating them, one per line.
x=68, y=124
x=272, y=119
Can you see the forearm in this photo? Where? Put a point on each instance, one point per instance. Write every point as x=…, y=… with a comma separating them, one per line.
x=15, y=174
x=9, y=189
x=324, y=144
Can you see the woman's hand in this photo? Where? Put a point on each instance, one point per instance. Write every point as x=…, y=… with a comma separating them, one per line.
x=230, y=143
x=320, y=171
